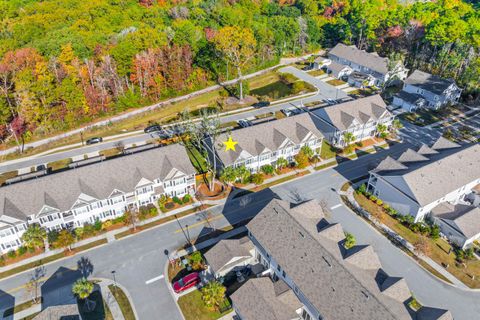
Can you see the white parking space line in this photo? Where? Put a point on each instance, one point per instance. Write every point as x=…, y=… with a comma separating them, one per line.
x=337, y=206
x=154, y=279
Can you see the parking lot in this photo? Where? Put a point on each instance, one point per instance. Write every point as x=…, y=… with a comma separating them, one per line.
x=462, y=129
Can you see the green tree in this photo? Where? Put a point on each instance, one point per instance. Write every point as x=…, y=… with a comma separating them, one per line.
x=34, y=237
x=213, y=294
x=237, y=46
x=65, y=240
x=268, y=169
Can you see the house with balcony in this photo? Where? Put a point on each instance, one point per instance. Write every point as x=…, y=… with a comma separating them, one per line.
x=101, y=191
x=310, y=275
x=424, y=90
x=359, y=117
x=359, y=64
x=419, y=181
x=265, y=143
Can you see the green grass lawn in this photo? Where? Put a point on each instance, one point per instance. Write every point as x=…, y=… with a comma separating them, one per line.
x=193, y=308
x=59, y=164
x=336, y=82
x=274, y=91
x=440, y=251
x=316, y=73
x=123, y=302
x=327, y=151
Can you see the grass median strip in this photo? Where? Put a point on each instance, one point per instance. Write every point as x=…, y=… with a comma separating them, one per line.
x=48, y=259
x=123, y=302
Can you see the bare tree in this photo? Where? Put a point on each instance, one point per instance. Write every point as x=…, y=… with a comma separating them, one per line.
x=422, y=245
x=131, y=218
x=35, y=282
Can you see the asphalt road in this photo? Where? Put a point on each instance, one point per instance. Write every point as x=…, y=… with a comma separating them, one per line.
x=325, y=91
x=140, y=258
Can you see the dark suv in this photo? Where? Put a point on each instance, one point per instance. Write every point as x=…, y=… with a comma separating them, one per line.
x=152, y=128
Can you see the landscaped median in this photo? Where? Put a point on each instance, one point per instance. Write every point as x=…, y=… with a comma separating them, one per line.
x=423, y=239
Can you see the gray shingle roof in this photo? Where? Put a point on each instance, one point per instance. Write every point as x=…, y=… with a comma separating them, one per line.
x=269, y=135
x=411, y=156
x=389, y=164
x=342, y=115
x=426, y=150
x=464, y=218
x=429, y=181
x=360, y=57
x=411, y=98
x=337, y=68
x=443, y=144
x=428, y=82
x=338, y=289
x=99, y=180
x=225, y=250
x=427, y=313
x=259, y=299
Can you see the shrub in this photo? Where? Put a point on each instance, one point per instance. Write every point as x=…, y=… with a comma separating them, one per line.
x=11, y=254
x=177, y=200
x=469, y=254
x=359, y=144
x=2, y=261
x=118, y=219
x=52, y=237
x=268, y=169
x=392, y=211
x=196, y=260
x=379, y=202
x=298, y=87
x=169, y=205
x=187, y=198
x=21, y=251
x=97, y=225
x=88, y=229
x=362, y=189
x=373, y=198
x=386, y=206
x=301, y=159
x=107, y=224
x=435, y=232
x=257, y=178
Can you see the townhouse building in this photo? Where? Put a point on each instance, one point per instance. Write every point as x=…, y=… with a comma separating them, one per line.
x=424, y=90
x=265, y=143
x=102, y=191
x=310, y=275
x=435, y=182
x=360, y=117
x=361, y=68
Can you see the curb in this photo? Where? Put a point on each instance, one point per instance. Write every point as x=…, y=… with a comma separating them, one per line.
x=129, y=297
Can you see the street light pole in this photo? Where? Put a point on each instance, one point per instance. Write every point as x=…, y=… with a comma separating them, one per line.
x=114, y=280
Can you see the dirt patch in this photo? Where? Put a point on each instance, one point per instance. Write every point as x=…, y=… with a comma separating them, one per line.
x=219, y=191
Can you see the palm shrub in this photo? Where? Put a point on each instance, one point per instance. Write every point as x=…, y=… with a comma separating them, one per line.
x=257, y=178
x=350, y=240
x=242, y=173
x=282, y=163
x=307, y=151
x=82, y=288
x=229, y=175
x=435, y=232
x=34, y=237
x=213, y=294
x=362, y=189
x=268, y=169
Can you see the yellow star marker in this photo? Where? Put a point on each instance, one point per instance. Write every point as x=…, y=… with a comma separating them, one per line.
x=230, y=144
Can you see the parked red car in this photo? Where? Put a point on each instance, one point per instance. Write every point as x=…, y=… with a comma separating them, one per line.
x=186, y=282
